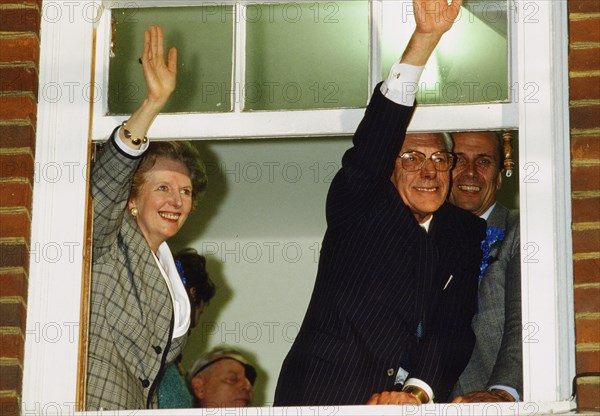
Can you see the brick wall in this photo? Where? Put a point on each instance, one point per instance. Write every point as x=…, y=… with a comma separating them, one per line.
x=584, y=70
x=19, y=58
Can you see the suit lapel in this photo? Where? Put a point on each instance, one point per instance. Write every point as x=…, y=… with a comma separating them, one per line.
x=498, y=218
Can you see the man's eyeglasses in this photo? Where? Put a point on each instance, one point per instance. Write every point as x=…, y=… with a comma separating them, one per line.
x=414, y=161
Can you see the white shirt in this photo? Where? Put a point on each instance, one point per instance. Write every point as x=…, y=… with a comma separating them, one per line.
x=181, y=302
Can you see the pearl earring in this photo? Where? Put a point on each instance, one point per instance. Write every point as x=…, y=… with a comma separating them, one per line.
x=134, y=212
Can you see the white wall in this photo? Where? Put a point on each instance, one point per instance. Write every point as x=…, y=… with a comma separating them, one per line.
x=260, y=226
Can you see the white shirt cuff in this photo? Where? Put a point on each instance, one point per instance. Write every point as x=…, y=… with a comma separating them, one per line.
x=420, y=383
x=402, y=84
x=509, y=390
x=128, y=150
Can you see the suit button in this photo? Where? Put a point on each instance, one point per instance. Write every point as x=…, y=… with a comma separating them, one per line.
x=157, y=349
x=145, y=383
x=390, y=372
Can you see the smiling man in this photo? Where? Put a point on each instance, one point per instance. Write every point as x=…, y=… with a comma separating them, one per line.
x=396, y=286
x=495, y=370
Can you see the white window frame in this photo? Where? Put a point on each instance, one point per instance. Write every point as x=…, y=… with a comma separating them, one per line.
x=59, y=206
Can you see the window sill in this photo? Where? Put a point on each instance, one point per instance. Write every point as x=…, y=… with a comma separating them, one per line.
x=521, y=409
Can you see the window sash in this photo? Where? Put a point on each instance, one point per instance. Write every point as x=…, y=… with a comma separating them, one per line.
x=326, y=122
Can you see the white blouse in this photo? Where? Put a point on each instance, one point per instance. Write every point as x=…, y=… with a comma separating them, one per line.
x=181, y=302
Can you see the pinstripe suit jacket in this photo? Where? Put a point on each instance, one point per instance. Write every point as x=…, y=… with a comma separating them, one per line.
x=497, y=357
x=379, y=275
x=131, y=312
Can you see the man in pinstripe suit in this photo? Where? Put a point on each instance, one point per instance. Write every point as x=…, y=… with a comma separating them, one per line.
x=396, y=287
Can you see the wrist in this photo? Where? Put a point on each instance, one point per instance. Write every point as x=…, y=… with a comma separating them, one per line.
x=153, y=105
x=420, y=47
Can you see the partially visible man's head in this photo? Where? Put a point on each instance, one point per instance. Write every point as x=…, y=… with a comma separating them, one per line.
x=222, y=378
x=423, y=181
x=477, y=175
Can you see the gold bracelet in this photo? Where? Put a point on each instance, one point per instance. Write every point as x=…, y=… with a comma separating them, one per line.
x=417, y=392
x=127, y=134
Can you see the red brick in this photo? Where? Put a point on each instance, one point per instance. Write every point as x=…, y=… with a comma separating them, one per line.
x=15, y=225
x=10, y=378
x=583, y=6
x=19, y=49
x=19, y=79
x=585, y=117
x=12, y=315
x=584, y=88
x=14, y=255
x=584, y=59
x=587, y=300
x=585, y=210
x=586, y=241
x=15, y=135
x=9, y=406
x=585, y=178
x=16, y=166
x=18, y=108
x=588, y=361
x=588, y=396
x=585, y=147
x=586, y=271
x=13, y=284
x=20, y=19
x=587, y=330
x=15, y=194
x=21, y=2
x=12, y=346
x=586, y=30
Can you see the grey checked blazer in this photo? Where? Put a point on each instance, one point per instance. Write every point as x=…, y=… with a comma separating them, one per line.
x=497, y=357
x=131, y=312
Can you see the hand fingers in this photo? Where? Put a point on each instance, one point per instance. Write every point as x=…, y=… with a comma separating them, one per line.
x=454, y=9
x=146, y=50
x=388, y=397
x=172, y=60
x=458, y=399
x=153, y=42
x=374, y=399
x=159, y=44
x=457, y=3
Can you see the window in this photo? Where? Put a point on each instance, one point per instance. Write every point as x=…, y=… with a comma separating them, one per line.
x=536, y=108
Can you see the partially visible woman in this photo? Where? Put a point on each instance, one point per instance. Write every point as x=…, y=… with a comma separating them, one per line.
x=143, y=194
x=173, y=391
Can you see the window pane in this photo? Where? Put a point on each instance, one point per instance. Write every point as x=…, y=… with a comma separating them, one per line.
x=204, y=39
x=469, y=65
x=307, y=55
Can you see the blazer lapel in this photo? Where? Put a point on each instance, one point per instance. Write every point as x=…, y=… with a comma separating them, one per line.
x=498, y=218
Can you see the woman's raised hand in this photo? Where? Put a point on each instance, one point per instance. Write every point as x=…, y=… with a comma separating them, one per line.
x=160, y=76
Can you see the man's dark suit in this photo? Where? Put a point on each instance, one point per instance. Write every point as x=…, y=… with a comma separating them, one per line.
x=497, y=356
x=379, y=275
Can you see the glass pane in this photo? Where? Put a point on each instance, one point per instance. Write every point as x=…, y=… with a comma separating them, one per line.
x=204, y=39
x=307, y=55
x=469, y=65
